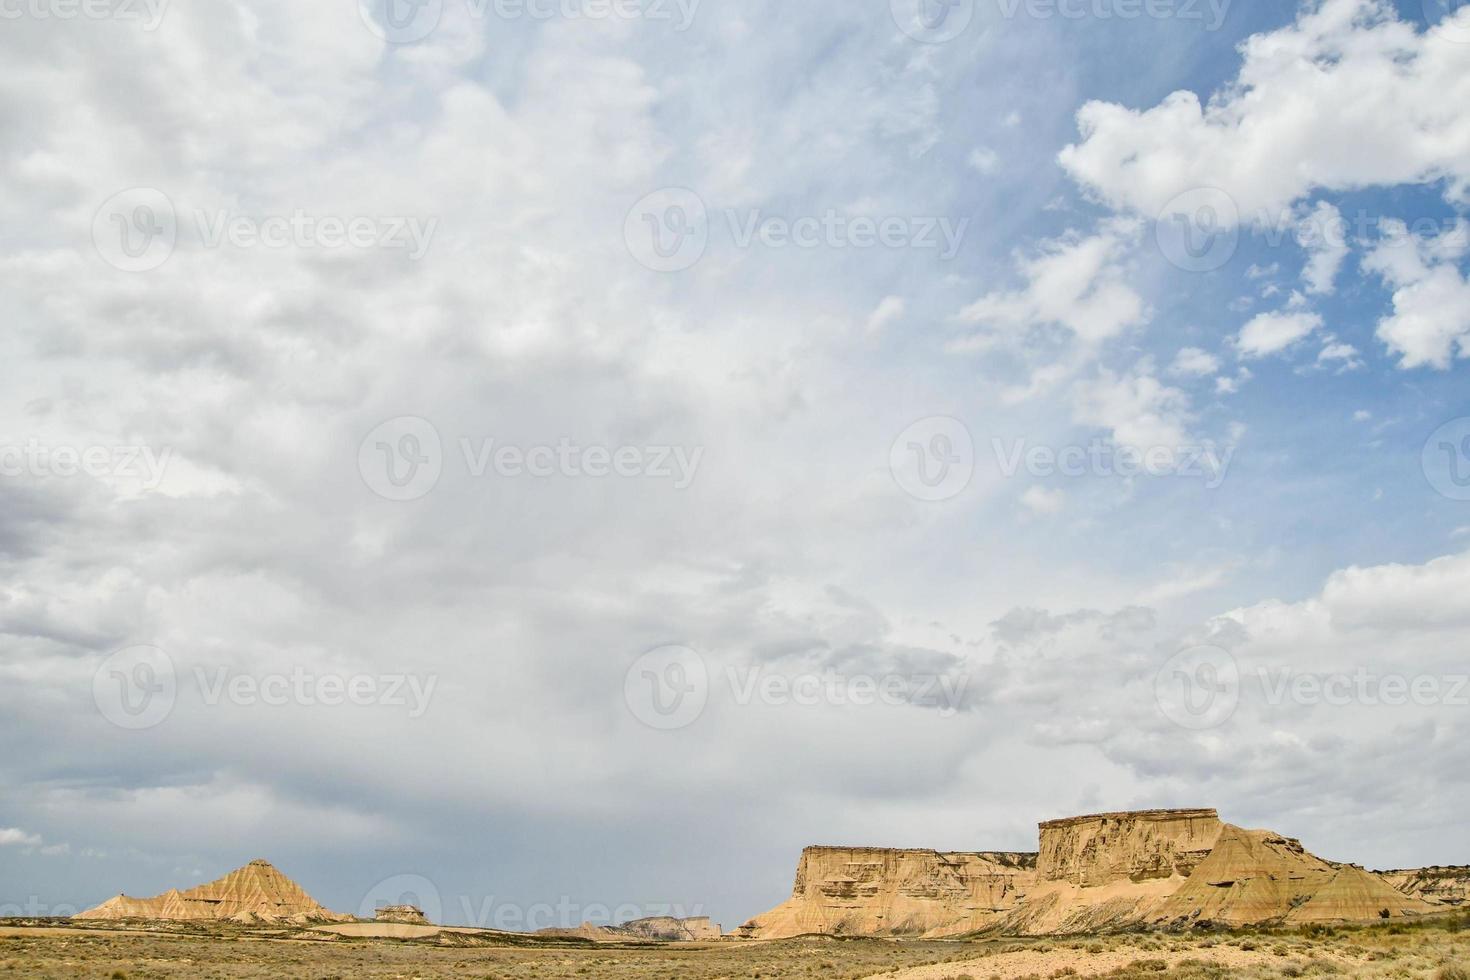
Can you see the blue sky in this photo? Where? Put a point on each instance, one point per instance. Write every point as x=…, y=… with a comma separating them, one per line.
x=182, y=309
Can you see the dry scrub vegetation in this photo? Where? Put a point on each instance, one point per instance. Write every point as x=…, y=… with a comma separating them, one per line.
x=1428, y=951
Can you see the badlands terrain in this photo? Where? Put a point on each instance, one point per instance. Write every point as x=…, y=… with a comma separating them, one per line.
x=1159, y=893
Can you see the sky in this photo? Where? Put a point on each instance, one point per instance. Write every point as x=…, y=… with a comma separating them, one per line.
x=553, y=460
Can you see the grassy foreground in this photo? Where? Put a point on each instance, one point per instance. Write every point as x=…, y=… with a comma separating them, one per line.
x=1439, y=951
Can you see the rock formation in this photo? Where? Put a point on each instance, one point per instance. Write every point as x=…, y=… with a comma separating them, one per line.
x=411, y=914
x=252, y=894
x=658, y=929
x=1444, y=886
x=1163, y=868
x=879, y=891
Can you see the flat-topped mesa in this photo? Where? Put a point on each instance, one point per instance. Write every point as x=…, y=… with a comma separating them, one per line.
x=896, y=891
x=1138, y=845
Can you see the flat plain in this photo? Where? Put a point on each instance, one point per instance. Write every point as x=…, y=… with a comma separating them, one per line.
x=1431, y=950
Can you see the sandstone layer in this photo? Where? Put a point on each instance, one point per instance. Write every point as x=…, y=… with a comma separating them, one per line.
x=254, y=893
x=879, y=891
x=1164, y=868
x=1445, y=886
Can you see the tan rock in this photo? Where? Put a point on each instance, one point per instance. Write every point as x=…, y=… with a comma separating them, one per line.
x=1094, y=873
x=252, y=894
x=1440, y=885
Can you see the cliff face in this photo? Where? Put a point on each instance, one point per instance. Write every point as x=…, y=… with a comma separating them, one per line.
x=1094, y=873
x=254, y=893
x=1140, y=846
x=1444, y=886
x=873, y=891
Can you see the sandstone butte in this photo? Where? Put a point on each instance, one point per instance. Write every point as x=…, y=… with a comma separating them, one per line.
x=254, y=893
x=1148, y=868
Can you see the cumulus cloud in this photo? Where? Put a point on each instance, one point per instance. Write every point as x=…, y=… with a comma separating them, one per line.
x=1077, y=282
x=1136, y=408
x=1293, y=119
x=1272, y=333
x=1193, y=362
x=1430, y=323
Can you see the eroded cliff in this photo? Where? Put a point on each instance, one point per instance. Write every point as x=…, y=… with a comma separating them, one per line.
x=1180, y=867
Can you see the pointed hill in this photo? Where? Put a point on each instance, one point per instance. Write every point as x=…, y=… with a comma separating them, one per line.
x=258, y=892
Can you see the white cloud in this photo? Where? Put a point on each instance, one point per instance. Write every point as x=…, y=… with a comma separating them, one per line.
x=1039, y=500
x=1194, y=362
x=1079, y=283
x=1272, y=333
x=15, y=837
x=1327, y=246
x=1340, y=356
x=1430, y=323
x=1294, y=120
x=1137, y=409
x=983, y=160
x=888, y=312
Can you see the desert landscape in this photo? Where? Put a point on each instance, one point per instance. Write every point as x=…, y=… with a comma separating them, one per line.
x=1159, y=893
